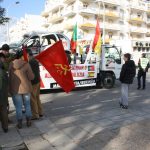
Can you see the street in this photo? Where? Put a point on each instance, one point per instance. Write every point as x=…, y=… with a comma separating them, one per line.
x=86, y=119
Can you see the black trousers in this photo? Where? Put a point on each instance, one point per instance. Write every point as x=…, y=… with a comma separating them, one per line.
x=141, y=74
x=4, y=116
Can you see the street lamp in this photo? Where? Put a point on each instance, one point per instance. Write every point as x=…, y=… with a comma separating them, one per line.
x=7, y=10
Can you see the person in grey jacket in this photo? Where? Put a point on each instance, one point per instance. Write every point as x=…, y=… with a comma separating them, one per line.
x=3, y=94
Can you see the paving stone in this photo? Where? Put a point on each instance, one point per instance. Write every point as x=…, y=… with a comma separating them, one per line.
x=103, y=122
x=29, y=131
x=57, y=138
x=88, y=126
x=38, y=143
x=10, y=138
x=69, y=146
x=45, y=126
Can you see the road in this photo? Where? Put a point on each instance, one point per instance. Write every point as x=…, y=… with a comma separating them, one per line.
x=88, y=119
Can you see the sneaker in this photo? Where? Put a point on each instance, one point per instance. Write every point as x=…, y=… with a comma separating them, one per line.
x=138, y=88
x=124, y=107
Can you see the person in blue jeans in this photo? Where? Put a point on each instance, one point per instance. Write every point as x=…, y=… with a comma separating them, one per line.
x=20, y=76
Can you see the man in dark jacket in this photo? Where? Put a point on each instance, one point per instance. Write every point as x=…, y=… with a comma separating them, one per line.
x=36, y=106
x=3, y=94
x=127, y=75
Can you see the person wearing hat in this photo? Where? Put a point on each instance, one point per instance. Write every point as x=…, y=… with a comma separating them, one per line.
x=143, y=68
x=3, y=94
x=36, y=106
x=8, y=58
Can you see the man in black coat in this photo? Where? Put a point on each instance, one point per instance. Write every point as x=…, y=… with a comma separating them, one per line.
x=127, y=75
x=3, y=94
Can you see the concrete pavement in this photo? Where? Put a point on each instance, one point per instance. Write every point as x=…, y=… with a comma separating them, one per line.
x=86, y=120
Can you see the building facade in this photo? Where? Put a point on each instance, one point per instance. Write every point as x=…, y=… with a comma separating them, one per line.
x=30, y=23
x=125, y=19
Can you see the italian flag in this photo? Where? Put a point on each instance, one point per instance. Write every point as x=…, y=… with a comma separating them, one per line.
x=97, y=40
x=73, y=44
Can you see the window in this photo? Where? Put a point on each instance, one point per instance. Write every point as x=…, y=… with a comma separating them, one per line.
x=85, y=5
x=110, y=34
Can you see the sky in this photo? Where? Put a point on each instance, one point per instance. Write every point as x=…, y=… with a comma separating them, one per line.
x=34, y=7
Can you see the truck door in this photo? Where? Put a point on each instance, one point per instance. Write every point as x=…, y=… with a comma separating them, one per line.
x=111, y=60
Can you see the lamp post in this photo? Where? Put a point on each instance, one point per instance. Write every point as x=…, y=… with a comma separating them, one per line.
x=7, y=10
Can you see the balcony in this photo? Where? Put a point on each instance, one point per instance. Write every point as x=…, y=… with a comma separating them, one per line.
x=136, y=6
x=69, y=1
x=45, y=14
x=148, y=8
x=111, y=14
x=55, y=18
x=136, y=19
x=56, y=7
x=88, y=10
x=45, y=24
x=137, y=30
x=69, y=24
x=70, y=11
x=112, y=27
x=88, y=25
x=148, y=21
x=111, y=2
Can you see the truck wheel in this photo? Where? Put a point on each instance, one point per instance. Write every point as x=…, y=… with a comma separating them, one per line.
x=108, y=80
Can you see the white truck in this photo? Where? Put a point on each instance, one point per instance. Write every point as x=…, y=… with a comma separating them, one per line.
x=93, y=71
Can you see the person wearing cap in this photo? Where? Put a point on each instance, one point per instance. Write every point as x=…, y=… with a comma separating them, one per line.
x=5, y=51
x=36, y=106
x=8, y=58
x=143, y=65
x=3, y=94
x=20, y=76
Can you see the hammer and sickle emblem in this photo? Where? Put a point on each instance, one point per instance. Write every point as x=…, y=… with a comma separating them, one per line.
x=62, y=69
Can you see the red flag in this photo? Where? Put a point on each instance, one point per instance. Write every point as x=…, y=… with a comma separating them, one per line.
x=55, y=61
x=25, y=53
x=97, y=39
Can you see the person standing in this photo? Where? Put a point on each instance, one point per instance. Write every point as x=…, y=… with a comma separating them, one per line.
x=143, y=68
x=127, y=75
x=8, y=58
x=3, y=94
x=36, y=106
x=20, y=75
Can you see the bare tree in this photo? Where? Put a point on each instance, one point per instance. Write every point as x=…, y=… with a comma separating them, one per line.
x=3, y=18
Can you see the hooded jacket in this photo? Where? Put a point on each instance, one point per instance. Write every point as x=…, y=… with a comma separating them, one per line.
x=20, y=76
x=128, y=72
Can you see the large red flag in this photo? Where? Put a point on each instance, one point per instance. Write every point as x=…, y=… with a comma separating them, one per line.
x=55, y=61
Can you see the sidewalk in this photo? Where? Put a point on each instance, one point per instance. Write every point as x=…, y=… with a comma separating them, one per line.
x=94, y=124
x=75, y=133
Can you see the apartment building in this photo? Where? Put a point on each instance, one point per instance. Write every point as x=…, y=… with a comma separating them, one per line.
x=125, y=19
x=29, y=23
